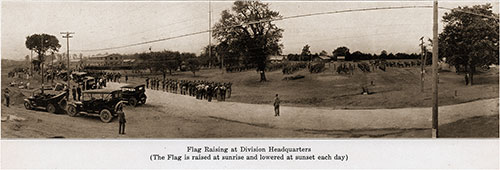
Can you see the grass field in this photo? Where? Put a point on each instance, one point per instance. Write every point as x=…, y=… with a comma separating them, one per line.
x=396, y=88
x=316, y=95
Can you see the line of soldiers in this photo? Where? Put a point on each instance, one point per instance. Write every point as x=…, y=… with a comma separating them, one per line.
x=198, y=88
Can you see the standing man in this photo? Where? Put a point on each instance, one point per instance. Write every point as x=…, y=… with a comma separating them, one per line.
x=466, y=79
x=73, y=93
x=7, y=97
x=79, y=91
x=276, y=106
x=122, y=120
x=147, y=82
x=126, y=78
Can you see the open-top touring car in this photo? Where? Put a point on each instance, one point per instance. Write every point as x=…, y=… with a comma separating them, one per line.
x=105, y=103
x=51, y=102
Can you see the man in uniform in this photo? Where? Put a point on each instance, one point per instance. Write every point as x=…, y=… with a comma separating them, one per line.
x=79, y=92
x=7, y=97
x=147, y=82
x=122, y=121
x=73, y=93
x=276, y=106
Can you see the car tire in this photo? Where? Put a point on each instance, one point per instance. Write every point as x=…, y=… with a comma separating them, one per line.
x=72, y=111
x=143, y=100
x=27, y=105
x=106, y=116
x=51, y=108
x=132, y=102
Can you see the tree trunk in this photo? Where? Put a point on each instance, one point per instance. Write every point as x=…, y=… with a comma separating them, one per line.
x=42, y=74
x=471, y=73
x=263, y=76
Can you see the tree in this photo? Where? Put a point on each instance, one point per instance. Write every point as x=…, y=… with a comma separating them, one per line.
x=207, y=60
x=306, y=53
x=171, y=65
x=469, y=40
x=341, y=51
x=243, y=35
x=383, y=55
x=42, y=43
x=193, y=65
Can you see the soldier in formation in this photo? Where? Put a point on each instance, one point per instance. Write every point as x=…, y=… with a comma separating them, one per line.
x=198, y=88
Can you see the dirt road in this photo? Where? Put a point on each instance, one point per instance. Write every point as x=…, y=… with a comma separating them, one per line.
x=168, y=115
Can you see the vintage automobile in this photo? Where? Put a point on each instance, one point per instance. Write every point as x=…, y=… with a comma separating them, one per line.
x=105, y=103
x=53, y=103
x=134, y=94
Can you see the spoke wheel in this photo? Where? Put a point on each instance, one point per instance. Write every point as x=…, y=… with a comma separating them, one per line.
x=51, y=108
x=105, y=116
x=72, y=111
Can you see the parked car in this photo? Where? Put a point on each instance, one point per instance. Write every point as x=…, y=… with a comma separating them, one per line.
x=105, y=103
x=53, y=103
x=134, y=94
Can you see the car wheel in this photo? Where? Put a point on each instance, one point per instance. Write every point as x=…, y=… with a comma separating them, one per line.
x=132, y=102
x=72, y=111
x=143, y=100
x=106, y=116
x=51, y=108
x=27, y=105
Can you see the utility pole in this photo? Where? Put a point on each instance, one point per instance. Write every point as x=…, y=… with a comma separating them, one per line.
x=435, y=71
x=67, y=35
x=31, y=63
x=422, y=63
x=52, y=68
x=40, y=58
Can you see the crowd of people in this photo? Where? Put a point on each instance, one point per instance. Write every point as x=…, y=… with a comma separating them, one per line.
x=199, y=88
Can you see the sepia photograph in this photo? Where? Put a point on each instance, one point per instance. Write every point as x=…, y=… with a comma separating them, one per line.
x=249, y=69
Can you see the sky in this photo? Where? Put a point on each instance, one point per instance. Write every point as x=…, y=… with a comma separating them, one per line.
x=106, y=24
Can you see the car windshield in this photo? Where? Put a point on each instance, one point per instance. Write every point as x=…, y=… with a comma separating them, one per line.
x=94, y=96
x=116, y=95
x=128, y=89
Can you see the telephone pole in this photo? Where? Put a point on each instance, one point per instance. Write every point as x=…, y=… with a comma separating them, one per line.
x=31, y=63
x=435, y=71
x=67, y=35
x=422, y=63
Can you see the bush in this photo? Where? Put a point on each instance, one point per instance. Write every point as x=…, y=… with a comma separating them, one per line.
x=294, y=77
x=293, y=67
x=317, y=68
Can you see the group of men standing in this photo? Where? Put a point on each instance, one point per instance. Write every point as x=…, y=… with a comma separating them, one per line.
x=197, y=88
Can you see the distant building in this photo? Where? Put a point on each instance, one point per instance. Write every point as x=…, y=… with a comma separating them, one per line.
x=277, y=58
x=340, y=58
x=323, y=58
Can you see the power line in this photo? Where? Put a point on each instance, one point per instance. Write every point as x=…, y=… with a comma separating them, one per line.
x=279, y=19
x=255, y=22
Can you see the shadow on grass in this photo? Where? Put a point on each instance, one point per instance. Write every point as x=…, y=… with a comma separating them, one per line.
x=473, y=127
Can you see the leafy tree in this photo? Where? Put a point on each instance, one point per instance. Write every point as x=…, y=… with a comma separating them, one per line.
x=341, y=51
x=241, y=34
x=193, y=65
x=207, y=60
x=383, y=55
x=306, y=53
x=42, y=43
x=469, y=40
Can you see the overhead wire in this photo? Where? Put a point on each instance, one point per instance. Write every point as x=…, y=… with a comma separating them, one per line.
x=276, y=19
